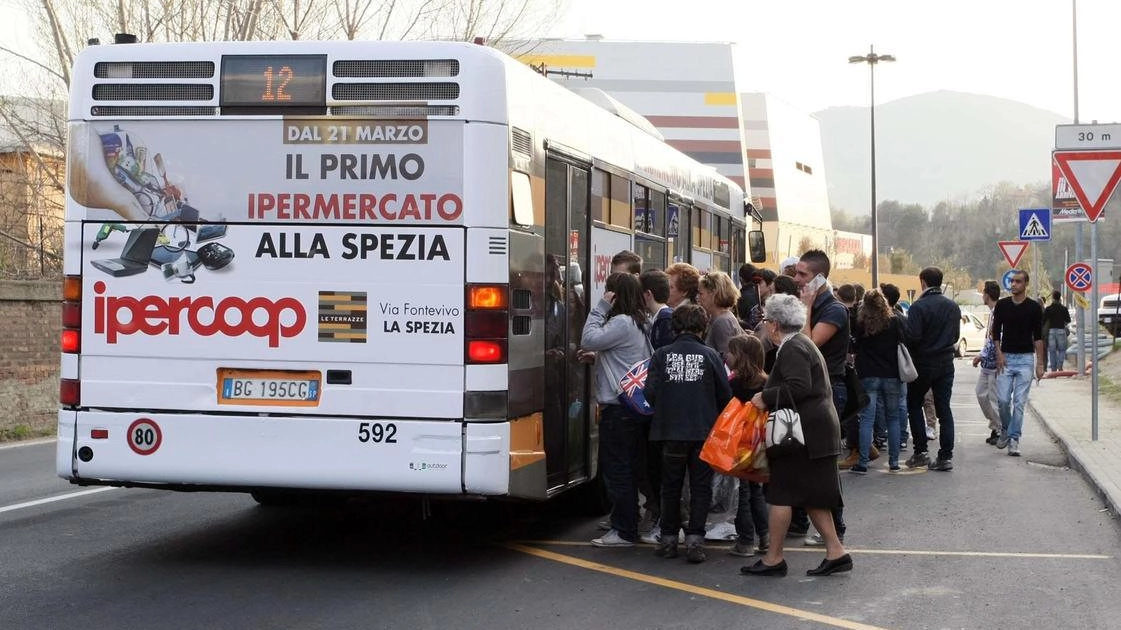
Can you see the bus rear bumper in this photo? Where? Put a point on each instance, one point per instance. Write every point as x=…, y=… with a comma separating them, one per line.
x=182, y=451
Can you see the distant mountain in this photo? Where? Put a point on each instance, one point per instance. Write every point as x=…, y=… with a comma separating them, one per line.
x=934, y=147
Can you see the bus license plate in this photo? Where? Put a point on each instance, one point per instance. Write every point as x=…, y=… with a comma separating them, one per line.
x=240, y=387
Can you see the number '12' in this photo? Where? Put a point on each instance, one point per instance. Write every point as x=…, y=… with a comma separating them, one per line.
x=283, y=77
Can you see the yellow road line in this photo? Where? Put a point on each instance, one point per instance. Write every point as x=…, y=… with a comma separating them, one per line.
x=885, y=552
x=696, y=590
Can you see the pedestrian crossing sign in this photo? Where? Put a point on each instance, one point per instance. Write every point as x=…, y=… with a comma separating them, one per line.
x=1035, y=224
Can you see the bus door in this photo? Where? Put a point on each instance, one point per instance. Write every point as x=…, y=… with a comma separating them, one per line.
x=567, y=381
x=678, y=215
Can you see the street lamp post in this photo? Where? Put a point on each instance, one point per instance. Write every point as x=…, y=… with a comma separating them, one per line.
x=872, y=59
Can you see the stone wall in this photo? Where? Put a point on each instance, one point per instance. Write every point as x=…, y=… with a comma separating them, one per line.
x=30, y=323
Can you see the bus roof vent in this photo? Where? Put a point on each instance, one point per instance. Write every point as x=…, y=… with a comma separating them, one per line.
x=427, y=91
x=153, y=92
x=521, y=142
x=601, y=98
x=410, y=111
x=396, y=68
x=153, y=69
x=121, y=111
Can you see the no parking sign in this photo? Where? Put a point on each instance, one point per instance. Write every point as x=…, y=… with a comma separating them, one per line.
x=1079, y=277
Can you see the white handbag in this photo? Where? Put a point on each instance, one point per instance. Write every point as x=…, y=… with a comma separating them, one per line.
x=783, y=430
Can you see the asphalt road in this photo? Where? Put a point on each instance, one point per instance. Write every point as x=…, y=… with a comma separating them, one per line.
x=1000, y=542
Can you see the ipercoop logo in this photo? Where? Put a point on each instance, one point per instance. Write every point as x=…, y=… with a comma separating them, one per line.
x=232, y=316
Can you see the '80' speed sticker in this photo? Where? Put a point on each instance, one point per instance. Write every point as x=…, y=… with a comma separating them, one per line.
x=144, y=436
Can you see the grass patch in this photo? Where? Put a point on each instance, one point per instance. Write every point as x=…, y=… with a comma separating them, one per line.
x=25, y=432
x=1109, y=389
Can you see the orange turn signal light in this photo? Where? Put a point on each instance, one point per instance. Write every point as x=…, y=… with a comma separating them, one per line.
x=72, y=288
x=487, y=296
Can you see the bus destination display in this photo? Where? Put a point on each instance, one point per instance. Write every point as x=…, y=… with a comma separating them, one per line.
x=274, y=81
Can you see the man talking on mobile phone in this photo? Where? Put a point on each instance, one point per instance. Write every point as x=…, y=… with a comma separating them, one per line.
x=828, y=327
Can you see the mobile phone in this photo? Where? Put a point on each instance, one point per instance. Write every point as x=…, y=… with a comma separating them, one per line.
x=818, y=282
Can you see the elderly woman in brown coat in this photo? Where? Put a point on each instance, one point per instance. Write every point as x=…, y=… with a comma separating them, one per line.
x=807, y=475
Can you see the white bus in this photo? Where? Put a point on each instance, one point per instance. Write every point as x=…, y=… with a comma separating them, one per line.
x=350, y=266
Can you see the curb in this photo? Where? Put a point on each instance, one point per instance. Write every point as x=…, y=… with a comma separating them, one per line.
x=1106, y=489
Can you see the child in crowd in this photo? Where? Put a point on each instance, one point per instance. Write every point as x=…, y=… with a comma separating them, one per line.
x=688, y=387
x=745, y=358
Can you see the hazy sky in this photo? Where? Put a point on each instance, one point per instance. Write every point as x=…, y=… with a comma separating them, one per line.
x=798, y=49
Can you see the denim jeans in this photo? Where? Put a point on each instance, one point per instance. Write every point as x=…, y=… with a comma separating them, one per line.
x=882, y=393
x=619, y=438
x=903, y=423
x=880, y=431
x=938, y=379
x=677, y=458
x=751, y=514
x=1056, y=348
x=1012, y=386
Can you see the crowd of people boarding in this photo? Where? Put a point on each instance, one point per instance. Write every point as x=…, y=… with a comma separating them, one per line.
x=786, y=339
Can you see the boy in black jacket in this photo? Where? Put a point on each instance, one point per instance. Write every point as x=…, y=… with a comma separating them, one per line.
x=687, y=385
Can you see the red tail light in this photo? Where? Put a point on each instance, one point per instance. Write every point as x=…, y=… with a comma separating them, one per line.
x=70, y=392
x=71, y=341
x=486, y=351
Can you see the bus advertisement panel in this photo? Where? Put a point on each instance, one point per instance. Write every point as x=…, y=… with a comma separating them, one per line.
x=290, y=243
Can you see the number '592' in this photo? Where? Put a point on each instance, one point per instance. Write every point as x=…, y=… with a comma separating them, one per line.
x=377, y=432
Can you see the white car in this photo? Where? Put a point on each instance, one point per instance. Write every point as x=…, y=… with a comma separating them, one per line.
x=973, y=333
x=1109, y=313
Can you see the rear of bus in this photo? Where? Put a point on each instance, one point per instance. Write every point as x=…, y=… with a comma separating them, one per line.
x=286, y=267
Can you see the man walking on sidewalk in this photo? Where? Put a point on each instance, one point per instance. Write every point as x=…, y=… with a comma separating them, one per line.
x=986, y=380
x=933, y=329
x=1017, y=330
x=1056, y=318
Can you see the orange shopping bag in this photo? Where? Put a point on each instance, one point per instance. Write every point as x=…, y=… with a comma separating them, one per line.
x=751, y=452
x=748, y=450
x=720, y=448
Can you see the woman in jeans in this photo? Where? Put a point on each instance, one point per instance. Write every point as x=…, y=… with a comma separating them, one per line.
x=878, y=333
x=616, y=332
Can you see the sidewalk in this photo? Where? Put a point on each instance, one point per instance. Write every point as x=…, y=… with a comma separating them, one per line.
x=1063, y=406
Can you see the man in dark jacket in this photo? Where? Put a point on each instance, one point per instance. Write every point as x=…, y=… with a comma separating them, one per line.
x=749, y=295
x=933, y=330
x=688, y=387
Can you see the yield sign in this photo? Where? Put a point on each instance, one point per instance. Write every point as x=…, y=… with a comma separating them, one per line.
x=1013, y=251
x=1093, y=176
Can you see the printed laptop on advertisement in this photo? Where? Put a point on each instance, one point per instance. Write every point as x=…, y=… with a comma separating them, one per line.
x=135, y=255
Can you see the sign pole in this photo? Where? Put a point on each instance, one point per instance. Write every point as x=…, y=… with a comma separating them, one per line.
x=1080, y=312
x=1094, y=333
